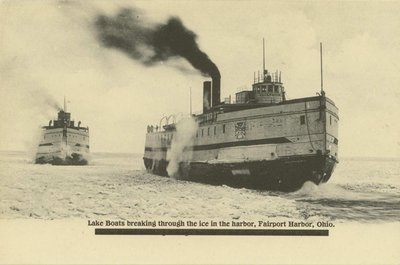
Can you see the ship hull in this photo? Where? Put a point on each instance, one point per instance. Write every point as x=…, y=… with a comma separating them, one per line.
x=274, y=147
x=63, y=146
x=284, y=174
x=74, y=159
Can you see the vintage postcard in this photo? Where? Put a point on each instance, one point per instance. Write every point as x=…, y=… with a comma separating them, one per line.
x=199, y=132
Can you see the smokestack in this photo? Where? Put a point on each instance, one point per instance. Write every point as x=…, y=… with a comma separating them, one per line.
x=216, y=91
x=206, y=96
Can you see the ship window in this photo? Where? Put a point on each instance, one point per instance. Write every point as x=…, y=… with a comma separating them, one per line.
x=264, y=88
x=197, y=134
x=202, y=132
x=302, y=119
x=270, y=88
x=335, y=141
x=223, y=128
x=208, y=131
x=215, y=130
x=330, y=120
x=46, y=144
x=276, y=89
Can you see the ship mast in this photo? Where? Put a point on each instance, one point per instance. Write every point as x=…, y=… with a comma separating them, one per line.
x=65, y=105
x=263, y=59
x=322, y=77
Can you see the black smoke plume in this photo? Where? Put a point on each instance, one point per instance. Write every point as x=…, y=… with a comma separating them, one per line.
x=149, y=44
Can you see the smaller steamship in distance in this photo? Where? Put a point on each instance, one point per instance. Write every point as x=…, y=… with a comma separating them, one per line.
x=262, y=141
x=63, y=142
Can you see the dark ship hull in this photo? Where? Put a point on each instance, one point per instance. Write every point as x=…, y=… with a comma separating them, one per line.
x=286, y=174
x=74, y=159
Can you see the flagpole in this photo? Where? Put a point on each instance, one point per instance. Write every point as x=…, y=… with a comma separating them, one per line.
x=263, y=59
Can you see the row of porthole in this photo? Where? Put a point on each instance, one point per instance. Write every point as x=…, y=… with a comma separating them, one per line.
x=58, y=135
x=53, y=135
x=201, y=132
x=303, y=119
x=164, y=137
x=170, y=136
x=263, y=88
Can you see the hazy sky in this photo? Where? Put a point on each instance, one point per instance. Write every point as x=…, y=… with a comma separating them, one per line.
x=49, y=49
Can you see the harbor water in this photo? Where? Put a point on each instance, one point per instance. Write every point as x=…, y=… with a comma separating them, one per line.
x=117, y=187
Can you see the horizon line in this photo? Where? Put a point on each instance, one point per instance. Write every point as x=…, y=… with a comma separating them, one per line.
x=114, y=152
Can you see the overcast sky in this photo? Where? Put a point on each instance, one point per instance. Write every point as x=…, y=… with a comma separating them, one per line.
x=49, y=49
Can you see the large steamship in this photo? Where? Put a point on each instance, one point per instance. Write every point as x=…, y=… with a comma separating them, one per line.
x=262, y=141
x=63, y=142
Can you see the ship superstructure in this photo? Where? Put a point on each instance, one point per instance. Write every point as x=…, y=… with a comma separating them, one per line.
x=261, y=141
x=63, y=142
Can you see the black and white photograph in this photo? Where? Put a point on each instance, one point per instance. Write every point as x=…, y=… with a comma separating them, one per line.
x=199, y=132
